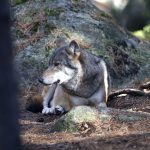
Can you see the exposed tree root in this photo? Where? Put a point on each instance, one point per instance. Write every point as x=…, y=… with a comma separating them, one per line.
x=145, y=86
x=133, y=92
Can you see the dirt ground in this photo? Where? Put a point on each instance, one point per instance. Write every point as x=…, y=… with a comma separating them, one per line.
x=36, y=133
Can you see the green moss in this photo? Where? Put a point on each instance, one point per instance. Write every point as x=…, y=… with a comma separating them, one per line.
x=65, y=124
x=72, y=119
x=141, y=56
x=127, y=118
x=138, y=55
x=49, y=27
x=53, y=12
x=104, y=14
x=35, y=26
x=75, y=1
x=97, y=52
x=32, y=12
x=17, y=2
x=67, y=34
x=48, y=51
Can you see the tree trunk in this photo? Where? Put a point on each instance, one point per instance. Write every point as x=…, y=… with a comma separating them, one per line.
x=9, y=129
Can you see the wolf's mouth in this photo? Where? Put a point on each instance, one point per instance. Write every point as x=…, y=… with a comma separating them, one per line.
x=41, y=81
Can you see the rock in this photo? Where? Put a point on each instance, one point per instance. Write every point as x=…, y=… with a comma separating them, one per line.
x=72, y=120
x=86, y=116
x=39, y=24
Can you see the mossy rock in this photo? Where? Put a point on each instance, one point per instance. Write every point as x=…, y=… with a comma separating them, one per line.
x=93, y=30
x=53, y=12
x=79, y=115
x=71, y=120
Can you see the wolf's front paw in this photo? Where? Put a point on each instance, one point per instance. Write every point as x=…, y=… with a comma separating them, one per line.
x=47, y=111
x=59, y=110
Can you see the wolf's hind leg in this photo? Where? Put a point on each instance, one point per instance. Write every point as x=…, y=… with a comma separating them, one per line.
x=102, y=102
x=99, y=98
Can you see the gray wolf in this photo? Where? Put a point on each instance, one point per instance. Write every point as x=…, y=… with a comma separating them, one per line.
x=74, y=77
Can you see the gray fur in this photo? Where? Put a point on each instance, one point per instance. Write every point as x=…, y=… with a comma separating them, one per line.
x=93, y=73
x=91, y=80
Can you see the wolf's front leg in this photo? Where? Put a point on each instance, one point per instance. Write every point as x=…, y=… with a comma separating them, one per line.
x=47, y=94
x=60, y=102
x=57, y=110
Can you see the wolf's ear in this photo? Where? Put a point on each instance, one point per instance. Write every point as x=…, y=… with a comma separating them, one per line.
x=73, y=46
x=74, y=49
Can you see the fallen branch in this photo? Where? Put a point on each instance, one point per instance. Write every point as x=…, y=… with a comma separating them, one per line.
x=145, y=86
x=133, y=92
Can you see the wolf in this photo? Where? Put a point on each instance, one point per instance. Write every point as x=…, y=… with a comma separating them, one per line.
x=74, y=77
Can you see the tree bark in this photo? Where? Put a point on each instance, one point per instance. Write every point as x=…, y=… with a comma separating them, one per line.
x=9, y=129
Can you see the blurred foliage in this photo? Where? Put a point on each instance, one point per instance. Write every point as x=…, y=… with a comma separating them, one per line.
x=143, y=34
x=16, y=2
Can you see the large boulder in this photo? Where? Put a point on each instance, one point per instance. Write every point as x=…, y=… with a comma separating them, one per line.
x=39, y=25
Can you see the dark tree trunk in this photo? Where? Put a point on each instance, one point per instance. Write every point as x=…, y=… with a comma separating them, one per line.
x=9, y=129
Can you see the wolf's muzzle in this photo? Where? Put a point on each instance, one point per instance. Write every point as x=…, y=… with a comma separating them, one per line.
x=42, y=81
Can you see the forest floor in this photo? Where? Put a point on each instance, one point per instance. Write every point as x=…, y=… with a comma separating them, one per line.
x=36, y=133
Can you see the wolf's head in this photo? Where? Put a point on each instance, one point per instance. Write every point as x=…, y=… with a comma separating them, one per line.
x=63, y=65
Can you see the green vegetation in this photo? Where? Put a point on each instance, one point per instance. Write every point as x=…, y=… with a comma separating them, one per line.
x=105, y=15
x=17, y=2
x=53, y=12
x=70, y=122
x=147, y=31
x=49, y=27
x=143, y=34
x=140, y=57
x=75, y=0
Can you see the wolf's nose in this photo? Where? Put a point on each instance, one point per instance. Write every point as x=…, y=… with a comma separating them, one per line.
x=40, y=80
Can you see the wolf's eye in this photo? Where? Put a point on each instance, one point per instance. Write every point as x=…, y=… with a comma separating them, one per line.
x=56, y=64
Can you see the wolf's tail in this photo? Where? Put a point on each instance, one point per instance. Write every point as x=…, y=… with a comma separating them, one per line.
x=34, y=104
